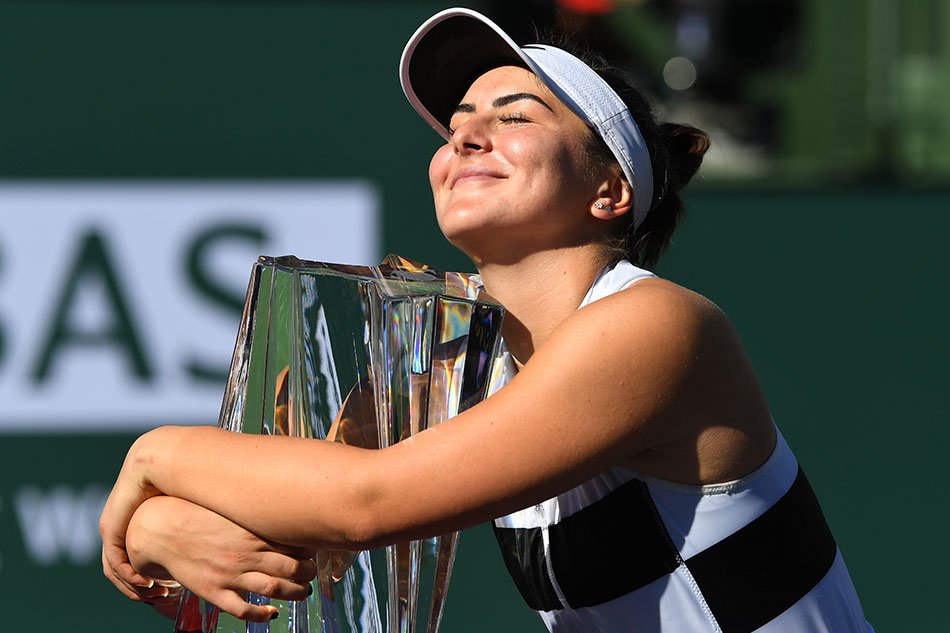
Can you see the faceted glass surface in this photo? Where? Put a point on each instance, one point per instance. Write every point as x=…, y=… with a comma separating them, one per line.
x=366, y=356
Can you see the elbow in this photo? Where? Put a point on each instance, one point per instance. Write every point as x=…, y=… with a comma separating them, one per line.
x=361, y=533
x=145, y=453
x=363, y=524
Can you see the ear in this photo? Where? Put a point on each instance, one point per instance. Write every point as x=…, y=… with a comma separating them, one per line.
x=614, y=197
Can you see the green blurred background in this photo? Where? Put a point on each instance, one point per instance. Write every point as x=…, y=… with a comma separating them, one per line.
x=818, y=224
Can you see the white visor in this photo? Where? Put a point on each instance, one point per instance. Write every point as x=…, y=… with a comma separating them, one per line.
x=453, y=47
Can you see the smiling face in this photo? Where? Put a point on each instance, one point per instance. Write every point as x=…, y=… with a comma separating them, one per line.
x=514, y=177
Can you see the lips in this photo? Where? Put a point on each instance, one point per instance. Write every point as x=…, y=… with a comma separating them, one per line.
x=476, y=174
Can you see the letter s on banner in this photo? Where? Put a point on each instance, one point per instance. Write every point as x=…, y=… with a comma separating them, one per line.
x=197, y=258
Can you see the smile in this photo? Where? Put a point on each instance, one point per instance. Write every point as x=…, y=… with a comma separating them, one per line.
x=474, y=174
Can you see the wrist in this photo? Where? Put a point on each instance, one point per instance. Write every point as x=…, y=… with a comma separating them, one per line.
x=148, y=531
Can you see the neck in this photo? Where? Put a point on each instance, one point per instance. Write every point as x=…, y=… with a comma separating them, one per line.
x=539, y=292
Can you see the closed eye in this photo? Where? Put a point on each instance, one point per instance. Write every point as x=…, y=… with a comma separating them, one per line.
x=500, y=102
x=515, y=117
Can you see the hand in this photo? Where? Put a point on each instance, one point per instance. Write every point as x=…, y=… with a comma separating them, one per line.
x=131, y=489
x=170, y=538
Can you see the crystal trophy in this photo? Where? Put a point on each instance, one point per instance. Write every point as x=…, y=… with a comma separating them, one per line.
x=367, y=356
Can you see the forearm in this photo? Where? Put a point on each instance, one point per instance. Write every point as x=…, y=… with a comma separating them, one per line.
x=145, y=540
x=290, y=490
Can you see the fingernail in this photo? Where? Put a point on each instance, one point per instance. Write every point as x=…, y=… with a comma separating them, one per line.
x=273, y=616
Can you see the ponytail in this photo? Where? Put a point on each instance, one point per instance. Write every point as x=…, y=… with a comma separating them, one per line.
x=677, y=155
x=676, y=152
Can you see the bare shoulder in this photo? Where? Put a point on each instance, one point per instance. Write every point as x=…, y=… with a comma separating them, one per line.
x=652, y=313
x=652, y=296
x=641, y=349
x=672, y=361
x=672, y=347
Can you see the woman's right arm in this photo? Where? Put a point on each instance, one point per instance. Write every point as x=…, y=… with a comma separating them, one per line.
x=629, y=371
x=646, y=367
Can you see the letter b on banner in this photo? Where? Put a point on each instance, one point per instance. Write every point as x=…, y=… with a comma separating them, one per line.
x=93, y=264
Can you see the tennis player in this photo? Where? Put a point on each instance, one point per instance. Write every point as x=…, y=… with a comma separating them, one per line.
x=634, y=476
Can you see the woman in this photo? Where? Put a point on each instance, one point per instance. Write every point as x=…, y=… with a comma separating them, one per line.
x=632, y=430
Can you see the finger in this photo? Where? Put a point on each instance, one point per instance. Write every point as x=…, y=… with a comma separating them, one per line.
x=159, y=594
x=271, y=587
x=151, y=592
x=152, y=595
x=230, y=602
x=118, y=561
x=124, y=589
x=128, y=593
x=174, y=587
x=306, y=570
x=144, y=587
x=173, y=591
x=281, y=566
x=170, y=599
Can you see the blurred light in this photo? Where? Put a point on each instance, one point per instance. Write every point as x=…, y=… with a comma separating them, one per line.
x=589, y=7
x=679, y=73
x=692, y=35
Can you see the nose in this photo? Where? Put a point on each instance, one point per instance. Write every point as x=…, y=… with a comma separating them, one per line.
x=471, y=136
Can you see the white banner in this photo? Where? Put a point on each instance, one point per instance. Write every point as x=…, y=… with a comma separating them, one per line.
x=119, y=302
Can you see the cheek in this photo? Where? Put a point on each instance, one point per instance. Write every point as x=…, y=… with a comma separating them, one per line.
x=541, y=160
x=439, y=166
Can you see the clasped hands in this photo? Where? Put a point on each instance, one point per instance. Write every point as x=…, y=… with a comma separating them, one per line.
x=148, y=538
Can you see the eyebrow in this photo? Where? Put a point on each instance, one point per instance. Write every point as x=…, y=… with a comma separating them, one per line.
x=503, y=101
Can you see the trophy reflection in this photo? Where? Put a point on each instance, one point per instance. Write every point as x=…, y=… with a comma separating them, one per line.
x=366, y=356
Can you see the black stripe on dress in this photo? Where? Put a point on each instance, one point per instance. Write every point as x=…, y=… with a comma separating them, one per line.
x=618, y=545
x=757, y=573
x=610, y=548
x=523, y=552
x=604, y=551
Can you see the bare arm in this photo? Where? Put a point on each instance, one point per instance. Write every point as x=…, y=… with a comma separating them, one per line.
x=613, y=381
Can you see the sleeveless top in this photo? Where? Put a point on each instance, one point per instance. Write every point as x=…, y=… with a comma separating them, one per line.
x=629, y=553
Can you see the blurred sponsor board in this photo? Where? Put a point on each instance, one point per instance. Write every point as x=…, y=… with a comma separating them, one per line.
x=119, y=302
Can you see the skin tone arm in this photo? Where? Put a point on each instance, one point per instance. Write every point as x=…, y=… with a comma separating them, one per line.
x=175, y=540
x=650, y=368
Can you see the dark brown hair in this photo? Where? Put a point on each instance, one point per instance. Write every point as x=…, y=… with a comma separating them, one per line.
x=676, y=152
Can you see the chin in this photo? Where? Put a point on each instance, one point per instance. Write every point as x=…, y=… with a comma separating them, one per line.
x=465, y=241
x=486, y=244
x=467, y=237
x=456, y=222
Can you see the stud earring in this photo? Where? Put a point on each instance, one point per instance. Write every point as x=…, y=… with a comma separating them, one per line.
x=603, y=207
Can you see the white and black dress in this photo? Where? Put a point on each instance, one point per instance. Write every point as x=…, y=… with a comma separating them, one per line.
x=628, y=553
